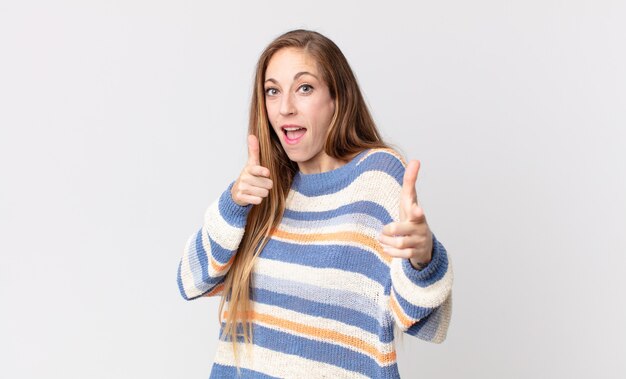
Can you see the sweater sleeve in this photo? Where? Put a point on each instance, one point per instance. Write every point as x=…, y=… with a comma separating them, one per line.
x=209, y=252
x=421, y=300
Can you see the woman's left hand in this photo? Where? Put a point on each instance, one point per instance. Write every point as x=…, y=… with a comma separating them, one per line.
x=410, y=237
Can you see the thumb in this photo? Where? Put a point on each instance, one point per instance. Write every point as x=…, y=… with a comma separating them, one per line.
x=253, y=150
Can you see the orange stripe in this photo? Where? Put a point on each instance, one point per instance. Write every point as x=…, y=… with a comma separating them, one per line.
x=218, y=288
x=219, y=267
x=395, y=307
x=384, y=358
x=337, y=236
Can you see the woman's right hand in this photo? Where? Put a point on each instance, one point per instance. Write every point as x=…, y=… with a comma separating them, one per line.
x=253, y=184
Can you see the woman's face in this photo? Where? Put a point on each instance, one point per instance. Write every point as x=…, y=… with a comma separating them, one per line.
x=300, y=108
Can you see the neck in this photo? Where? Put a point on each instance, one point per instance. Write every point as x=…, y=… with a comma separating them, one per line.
x=320, y=163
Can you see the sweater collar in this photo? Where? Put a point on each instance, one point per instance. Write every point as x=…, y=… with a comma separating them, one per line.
x=326, y=182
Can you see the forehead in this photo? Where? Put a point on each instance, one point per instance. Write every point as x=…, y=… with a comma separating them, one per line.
x=289, y=61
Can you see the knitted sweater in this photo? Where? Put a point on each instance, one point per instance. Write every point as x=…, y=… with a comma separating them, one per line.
x=325, y=297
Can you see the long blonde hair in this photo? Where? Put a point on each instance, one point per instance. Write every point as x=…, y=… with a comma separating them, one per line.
x=352, y=130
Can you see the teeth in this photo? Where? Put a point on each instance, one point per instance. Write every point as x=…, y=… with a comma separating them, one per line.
x=292, y=129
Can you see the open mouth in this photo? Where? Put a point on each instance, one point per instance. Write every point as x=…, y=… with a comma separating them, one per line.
x=293, y=133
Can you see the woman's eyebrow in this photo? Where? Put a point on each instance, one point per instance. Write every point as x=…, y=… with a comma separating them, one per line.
x=296, y=76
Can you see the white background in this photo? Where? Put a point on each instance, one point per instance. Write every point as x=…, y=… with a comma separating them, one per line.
x=122, y=120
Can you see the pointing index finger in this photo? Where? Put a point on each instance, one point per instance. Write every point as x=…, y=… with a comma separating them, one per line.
x=409, y=180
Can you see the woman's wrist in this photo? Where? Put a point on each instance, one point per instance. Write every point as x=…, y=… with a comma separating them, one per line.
x=418, y=265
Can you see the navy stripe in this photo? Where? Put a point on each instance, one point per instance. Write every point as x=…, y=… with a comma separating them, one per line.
x=204, y=263
x=202, y=257
x=343, y=257
x=334, y=181
x=412, y=310
x=432, y=273
x=234, y=214
x=385, y=162
x=218, y=252
x=179, y=280
x=425, y=328
x=220, y=371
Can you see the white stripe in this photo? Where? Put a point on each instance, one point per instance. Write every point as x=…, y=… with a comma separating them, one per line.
x=186, y=274
x=444, y=320
x=206, y=244
x=224, y=234
x=282, y=365
x=321, y=277
x=367, y=187
x=426, y=297
x=316, y=294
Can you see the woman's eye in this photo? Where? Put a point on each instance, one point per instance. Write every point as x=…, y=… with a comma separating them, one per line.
x=271, y=91
x=305, y=88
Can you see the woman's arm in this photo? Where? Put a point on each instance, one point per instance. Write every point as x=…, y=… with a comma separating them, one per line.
x=420, y=297
x=210, y=251
x=421, y=300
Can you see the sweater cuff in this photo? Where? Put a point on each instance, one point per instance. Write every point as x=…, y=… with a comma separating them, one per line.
x=233, y=213
x=434, y=270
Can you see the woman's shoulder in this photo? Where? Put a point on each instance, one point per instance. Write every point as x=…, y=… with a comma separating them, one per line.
x=386, y=160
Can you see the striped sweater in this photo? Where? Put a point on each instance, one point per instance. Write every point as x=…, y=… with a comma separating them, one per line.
x=325, y=297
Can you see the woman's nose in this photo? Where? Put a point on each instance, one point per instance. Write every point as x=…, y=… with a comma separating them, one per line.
x=287, y=106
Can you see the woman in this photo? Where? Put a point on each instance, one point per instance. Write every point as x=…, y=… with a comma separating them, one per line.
x=319, y=248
